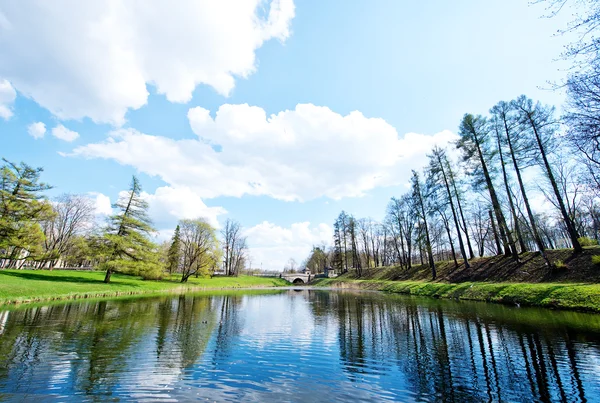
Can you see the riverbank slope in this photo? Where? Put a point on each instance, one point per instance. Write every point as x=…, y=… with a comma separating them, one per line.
x=24, y=286
x=574, y=284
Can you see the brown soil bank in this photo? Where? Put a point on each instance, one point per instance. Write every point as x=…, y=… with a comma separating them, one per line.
x=575, y=268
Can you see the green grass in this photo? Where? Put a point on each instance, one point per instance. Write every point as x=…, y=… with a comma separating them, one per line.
x=20, y=286
x=584, y=297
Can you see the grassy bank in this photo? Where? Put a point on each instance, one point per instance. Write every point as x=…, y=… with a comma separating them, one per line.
x=23, y=286
x=584, y=297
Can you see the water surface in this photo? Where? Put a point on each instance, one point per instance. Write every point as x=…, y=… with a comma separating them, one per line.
x=306, y=345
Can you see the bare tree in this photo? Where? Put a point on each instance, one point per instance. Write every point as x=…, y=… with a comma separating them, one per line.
x=234, y=247
x=291, y=265
x=73, y=215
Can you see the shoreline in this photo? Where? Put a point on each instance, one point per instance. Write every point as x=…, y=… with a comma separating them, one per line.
x=19, y=301
x=22, y=287
x=563, y=296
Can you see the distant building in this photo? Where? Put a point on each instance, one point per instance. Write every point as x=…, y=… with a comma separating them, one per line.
x=330, y=272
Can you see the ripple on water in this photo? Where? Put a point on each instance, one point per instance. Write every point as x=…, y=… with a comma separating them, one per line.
x=297, y=346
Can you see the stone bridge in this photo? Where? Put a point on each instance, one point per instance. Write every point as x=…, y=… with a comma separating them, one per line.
x=297, y=278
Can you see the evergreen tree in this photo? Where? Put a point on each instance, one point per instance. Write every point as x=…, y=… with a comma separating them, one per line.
x=22, y=208
x=174, y=253
x=126, y=239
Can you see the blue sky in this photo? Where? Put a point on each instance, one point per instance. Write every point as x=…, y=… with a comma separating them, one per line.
x=141, y=86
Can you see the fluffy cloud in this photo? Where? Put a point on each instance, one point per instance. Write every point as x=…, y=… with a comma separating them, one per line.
x=36, y=130
x=273, y=245
x=102, y=204
x=296, y=154
x=61, y=132
x=97, y=59
x=7, y=97
x=180, y=202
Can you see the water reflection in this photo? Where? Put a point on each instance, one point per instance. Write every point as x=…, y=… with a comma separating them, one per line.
x=298, y=346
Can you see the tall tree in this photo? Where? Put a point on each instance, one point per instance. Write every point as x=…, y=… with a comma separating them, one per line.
x=474, y=135
x=402, y=219
x=128, y=248
x=438, y=164
x=174, y=252
x=234, y=246
x=497, y=130
x=341, y=224
x=505, y=114
x=542, y=125
x=422, y=213
x=458, y=195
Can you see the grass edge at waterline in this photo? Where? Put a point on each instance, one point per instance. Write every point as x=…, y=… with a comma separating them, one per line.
x=31, y=286
x=571, y=296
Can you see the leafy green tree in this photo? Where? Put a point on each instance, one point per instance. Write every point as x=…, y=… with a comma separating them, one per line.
x=200, y=251
x=22, y=208
x=129, y=250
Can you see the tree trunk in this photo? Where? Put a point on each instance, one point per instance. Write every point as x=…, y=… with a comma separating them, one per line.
x=496, y=205
x=454, y=216
x=495, y=231
x=511, y=204
x=107, y=276
x=568, y=222
x=534, y=229
x=451, y=243
x=462, y=216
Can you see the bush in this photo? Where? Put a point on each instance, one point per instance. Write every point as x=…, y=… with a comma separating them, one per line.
x=586, y=241
x=596, y=259
x=559, y=264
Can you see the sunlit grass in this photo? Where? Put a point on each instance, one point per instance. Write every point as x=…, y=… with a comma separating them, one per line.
x=550, y=295
x=43, y=285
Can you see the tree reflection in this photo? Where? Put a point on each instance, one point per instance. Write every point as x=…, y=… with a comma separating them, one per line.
x=102, y=339
x=459, y=355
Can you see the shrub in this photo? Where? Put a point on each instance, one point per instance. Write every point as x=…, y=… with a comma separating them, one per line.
x=586, y=241
x=596, y=259
x=559, y=264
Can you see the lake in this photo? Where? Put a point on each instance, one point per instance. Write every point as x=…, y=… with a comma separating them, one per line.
x=297, y=345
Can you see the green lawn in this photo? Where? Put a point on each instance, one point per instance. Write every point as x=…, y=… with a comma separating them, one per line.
x=18, y=286
x=550, y=295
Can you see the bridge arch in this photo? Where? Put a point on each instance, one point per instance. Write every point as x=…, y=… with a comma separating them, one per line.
x=298, y=280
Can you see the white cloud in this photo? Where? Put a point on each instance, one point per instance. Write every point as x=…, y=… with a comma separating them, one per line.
x=96, y=59
x=61, y=132
x=300, y=154
x=7, y=97
x=102, y=204
x=180, y=202
x=272, y=245
x=36, y=130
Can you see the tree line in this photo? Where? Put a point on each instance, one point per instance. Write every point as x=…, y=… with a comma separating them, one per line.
x=63, y=232
x=481, y=196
